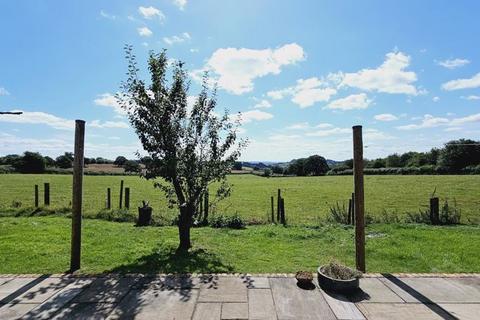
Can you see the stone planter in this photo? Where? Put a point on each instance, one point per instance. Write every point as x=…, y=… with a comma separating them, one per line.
x=336, y=285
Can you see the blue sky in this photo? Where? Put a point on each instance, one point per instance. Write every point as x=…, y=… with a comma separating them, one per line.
x=301, y=72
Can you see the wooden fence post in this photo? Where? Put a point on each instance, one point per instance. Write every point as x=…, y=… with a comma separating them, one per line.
x=353, y=209
x=46, y=193
x=77, y=193
x=282, y=211
x=205, y=207
x=273, y=210
x=121, y=194
x=279, y=196
x=434, y=211
x=349, y=218
x=109, y=198
x=359, y=198
x=36, y=196
x=127, y=198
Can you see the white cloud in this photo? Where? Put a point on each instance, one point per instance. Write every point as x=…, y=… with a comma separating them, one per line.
x=151, y=12
x=329, y=132
x=469, y=83
x=144, y=32
x=255, y=115
x=109, y=100
x=472, y=97
x=235, y=69
x=38, y=117
x=453, y=63
x=282, y=137
x=177, y=39
x=306, y=92
x=194, y=50
x=4, y=92
x=299, y=126
x=354, y=101
x=180, y=4
x=263, y=104
x=436, y=99
x=390, y=77
x=430, y=121
x=385, y=117
x=107, y=15
x=108, y=124
x=375, y=135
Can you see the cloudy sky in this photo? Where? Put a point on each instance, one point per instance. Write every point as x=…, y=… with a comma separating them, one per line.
x=301, y=72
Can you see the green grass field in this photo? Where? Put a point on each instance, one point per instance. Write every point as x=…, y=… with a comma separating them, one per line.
x=42, y=244
x=306, y=198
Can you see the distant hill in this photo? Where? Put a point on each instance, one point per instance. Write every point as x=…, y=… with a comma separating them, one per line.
x=268, y=164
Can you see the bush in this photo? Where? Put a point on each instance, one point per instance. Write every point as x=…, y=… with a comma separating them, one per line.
x=450, y=214
x=338, y=213
x=221, y=221
x=30, y=162
x=131, y=166
x=64, y=161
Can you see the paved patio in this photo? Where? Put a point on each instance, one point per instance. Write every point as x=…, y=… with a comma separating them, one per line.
x=236, y=297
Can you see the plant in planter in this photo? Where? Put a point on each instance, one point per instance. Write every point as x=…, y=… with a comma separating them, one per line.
x=144, y=214
x=338, y=278
x=304, y=279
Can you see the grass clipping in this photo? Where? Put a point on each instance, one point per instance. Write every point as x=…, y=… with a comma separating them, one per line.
x=337, y=271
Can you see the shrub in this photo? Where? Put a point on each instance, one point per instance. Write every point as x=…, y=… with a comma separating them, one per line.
x=422, y=216
x=221, y=221
x=338, y=271
x=449, y=214
x=30, y=162
x=338, y=213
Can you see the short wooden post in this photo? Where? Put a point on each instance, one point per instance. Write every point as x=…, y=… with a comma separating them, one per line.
x=205, y=207
x=359, y=198
x=46, y=194
x=127, y=198
x=36, y=196
x=121, y=194
x=282, y=211
x=279, y=196
x=434, y=210
x=353, y=209
x=77, y=193
x=273, y=209
x=349, y=219
x=200, y=207
x=109, y=198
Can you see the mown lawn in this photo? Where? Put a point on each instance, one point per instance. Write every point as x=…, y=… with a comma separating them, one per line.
x=306, y=198
x=42, y=244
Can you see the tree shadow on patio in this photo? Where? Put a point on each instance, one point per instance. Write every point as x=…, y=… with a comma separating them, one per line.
x=168, y=260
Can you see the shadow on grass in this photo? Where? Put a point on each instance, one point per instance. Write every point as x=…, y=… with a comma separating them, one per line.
x=168, y=260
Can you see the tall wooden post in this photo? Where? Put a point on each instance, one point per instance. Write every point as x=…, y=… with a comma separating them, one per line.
x=205, y=207
x=121, y=194
x=434, y=211
x=77, y=193
x=282, y=212
x=359, y=198
x=46, y=194
x=109, y=198
x=36, y=196
x=273, y=210
x=127, y=198
x=279, y=196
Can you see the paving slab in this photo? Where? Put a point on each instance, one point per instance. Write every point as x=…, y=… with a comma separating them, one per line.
x=402, y=293
x=256, y=282
x=374, y=290
x=292, y=302
x=50, y=307
x=85, y=311
x=397, y=311
x=260, y=304
x=156, y=304
x=207, y=311
x=223, y=289
x=442, y=290
x=234, y=311
x=106, y=290
x=15, y=311
x=342, y=307
x=43, y=290
x=17, y=286
x=464, y=311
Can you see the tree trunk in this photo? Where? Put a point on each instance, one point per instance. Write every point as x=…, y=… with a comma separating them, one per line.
x=184, y=225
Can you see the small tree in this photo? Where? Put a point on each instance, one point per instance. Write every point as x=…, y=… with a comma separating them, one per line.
x=189, y=149
x=120, y=161
x=131, y=166
x=64, y=161
x=30, y=162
